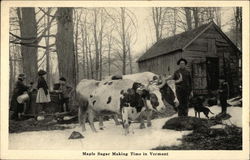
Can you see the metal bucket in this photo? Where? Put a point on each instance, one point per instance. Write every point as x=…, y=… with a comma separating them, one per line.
x=22, y=98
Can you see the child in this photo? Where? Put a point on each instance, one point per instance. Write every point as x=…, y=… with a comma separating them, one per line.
x=223, y=94
x=66, y=92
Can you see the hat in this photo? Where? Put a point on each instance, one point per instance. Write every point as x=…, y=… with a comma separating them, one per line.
x=41, y=72
x=182, y=59
x=21, y=75
x=62, y=79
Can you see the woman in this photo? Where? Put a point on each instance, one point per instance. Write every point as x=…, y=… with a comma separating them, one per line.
x=43, y=96
x=19, y=89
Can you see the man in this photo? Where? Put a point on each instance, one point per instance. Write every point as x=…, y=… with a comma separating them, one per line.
x=183, y=83
x=65, y=91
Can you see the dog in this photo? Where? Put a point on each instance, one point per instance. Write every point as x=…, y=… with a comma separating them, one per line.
x=197, y=103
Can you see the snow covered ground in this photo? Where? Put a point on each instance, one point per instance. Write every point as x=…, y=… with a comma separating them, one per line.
x=112, y=137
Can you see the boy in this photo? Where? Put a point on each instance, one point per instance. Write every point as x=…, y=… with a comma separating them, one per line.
x=223, y=94
x=65, y=91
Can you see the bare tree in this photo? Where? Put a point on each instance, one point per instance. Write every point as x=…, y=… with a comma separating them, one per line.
x=238, y=26
x=130, y=56
x=77, y=17
x=158, y=15
x=65, y=44
x=110, y=41
x=125, y=25
x=87, y=50
x=101, y=34
x=123, y=21
x=28, y=28
x=218, y=16
x=85, y=45
x=91, y=61
x=83, y=50
x=196, y=16
x=31, y=34
x=188, y=17
x=96, y=43
x=47, y=42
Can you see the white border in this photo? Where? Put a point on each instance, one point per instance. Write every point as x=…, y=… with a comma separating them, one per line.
x=66, y=154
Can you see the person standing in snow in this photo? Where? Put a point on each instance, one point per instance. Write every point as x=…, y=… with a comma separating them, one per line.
x=19, y=89
x=66, y=92
x=43, y=97
x=183, y=81
x=223, y=94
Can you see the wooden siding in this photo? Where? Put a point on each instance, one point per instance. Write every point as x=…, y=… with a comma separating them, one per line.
x=161, y=65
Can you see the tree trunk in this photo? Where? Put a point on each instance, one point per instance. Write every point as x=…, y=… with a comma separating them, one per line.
x=91, y=63
x=28, y=28
x=109, y=50
x=87, y=57
x=238, y=29
x=47, y=20
x=236, y=26
x=11, y=79
x=97, y=58
x=130, y=59
x=196, y=16
x=158, y=22
x=65, y=44
x=86, y=41
x=218, y=16
x=175, y=22
x=100, y=77
x=123, y=41
x=188, y=18
x=76, y=51
x=83, y=53
x=100, y=45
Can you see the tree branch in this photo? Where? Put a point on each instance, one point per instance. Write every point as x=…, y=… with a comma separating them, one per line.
x=31, y=44
x=47, y=13
x=40, y=19
x=48, y=26
x=22, y=38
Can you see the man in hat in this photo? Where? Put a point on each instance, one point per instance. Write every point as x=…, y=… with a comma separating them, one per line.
x=19, y=89
x=66, y=92
x=183, y=83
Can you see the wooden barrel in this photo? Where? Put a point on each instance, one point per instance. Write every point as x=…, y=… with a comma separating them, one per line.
x=52, y=107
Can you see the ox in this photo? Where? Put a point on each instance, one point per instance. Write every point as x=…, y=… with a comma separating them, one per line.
x=112, y=97
x=143, y=78
x=86, y=90
x=86, y=87
x=167, y=90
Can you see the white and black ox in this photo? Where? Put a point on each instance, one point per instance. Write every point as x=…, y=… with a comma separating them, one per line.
x=128, y=98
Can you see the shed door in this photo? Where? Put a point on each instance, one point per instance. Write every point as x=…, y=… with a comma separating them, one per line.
x=199, y=77
x=212, y=73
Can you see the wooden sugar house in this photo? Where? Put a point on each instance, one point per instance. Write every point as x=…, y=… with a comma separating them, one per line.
x=209, y=52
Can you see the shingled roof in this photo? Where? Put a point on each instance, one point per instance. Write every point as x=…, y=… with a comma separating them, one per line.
x=171, y=44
